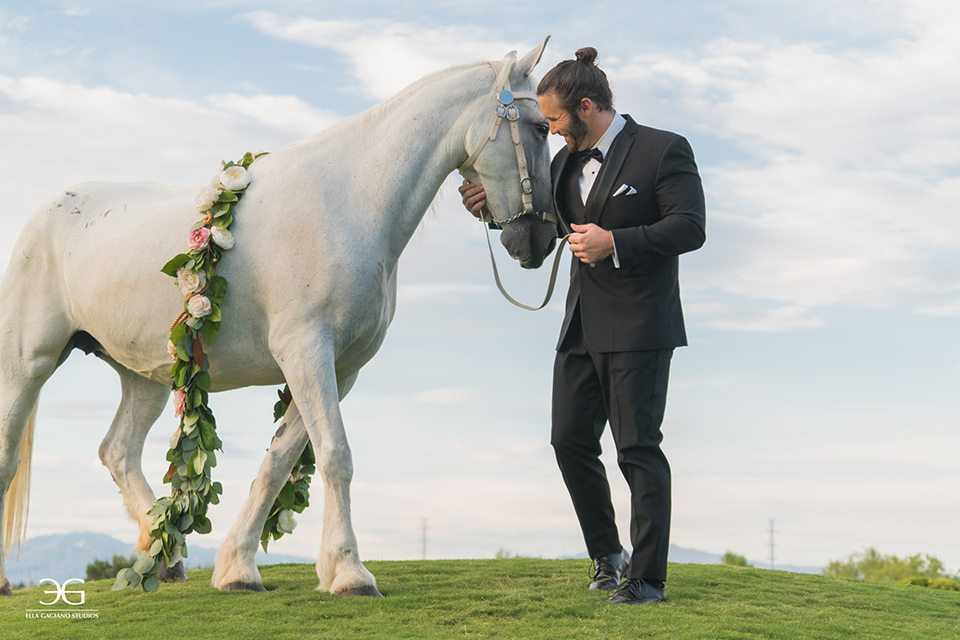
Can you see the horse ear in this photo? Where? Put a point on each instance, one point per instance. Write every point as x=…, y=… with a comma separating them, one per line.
x=528, y=62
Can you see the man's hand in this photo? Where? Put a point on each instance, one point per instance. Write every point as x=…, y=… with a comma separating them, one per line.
x=590, y=243
x=474, y=197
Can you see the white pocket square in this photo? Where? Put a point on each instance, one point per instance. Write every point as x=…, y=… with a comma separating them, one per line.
x=624, y=190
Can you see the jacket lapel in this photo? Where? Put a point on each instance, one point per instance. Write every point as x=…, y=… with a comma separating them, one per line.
x=557, y=171
x=612, y=164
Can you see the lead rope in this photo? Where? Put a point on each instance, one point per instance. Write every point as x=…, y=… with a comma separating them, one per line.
x=553, y=274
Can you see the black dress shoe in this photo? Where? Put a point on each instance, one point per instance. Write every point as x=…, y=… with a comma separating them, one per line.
x=637, y=592
x=609, y=570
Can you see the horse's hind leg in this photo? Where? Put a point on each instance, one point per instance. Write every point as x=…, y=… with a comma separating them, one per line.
x=142, y=401
x=29, y=354
x=17, y=402
x=235, y=567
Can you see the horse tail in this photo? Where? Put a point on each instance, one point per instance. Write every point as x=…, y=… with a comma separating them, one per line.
x=17, y=505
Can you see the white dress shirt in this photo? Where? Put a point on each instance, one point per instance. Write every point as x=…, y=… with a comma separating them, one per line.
x=590, y=170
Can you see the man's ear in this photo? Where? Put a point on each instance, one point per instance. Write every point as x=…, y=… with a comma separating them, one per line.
x=586, y=107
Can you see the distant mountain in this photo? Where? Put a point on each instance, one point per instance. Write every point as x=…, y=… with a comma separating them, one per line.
x=65, y=556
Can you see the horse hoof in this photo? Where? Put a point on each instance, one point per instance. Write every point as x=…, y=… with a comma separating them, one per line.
x=366, y=591
x=175, y=573
x=244, y=586
x=5, y=589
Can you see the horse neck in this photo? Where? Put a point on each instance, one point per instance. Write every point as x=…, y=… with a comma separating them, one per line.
x=407, y=147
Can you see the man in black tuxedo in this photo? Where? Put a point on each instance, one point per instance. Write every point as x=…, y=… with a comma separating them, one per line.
x=631, y=200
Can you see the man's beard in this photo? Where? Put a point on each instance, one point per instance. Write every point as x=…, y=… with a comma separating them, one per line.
x=577, y=131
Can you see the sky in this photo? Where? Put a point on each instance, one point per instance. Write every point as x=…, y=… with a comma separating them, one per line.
x=819, y=389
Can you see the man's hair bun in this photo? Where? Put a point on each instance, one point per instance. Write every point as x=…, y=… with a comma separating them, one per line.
x=587, y=55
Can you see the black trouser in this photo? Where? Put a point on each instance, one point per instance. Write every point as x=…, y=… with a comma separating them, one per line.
x=628, y=389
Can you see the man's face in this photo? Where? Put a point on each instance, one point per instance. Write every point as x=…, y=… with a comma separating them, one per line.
x=571, y=126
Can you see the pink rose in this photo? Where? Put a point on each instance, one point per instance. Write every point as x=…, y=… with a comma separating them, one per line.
x=199, y=239
x=180, y=402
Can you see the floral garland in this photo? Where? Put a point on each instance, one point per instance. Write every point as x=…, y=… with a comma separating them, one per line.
x=192, y=445
x=294, y=497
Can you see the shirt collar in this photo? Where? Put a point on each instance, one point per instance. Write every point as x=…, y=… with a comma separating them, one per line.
x=606, y=140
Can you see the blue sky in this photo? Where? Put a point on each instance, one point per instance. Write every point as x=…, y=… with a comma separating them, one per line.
x=819, y=386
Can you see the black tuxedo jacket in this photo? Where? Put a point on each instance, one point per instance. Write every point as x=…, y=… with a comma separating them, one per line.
x=635, y=307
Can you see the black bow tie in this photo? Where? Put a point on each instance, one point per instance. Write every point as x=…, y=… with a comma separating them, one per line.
x=590, y=153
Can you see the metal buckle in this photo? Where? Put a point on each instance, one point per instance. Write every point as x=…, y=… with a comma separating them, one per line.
x=527, y=185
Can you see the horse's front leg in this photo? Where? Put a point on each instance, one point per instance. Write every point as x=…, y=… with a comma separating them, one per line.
x=235, y=567
x=311, y=375
x=142, y=402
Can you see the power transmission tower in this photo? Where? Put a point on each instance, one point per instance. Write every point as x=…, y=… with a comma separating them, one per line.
x=771, y=544
x=424, y=538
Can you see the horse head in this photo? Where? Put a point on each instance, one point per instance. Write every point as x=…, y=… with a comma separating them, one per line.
x=514, y=165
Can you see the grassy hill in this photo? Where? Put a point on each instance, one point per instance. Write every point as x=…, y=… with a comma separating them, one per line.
x=512, y=598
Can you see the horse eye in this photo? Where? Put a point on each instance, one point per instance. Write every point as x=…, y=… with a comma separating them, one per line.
x=543, y=129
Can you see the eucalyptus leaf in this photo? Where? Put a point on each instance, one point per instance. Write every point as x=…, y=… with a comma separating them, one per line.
x=121, y=582
x=202, y=380
x=177, y=332
x=286, y=497
x=210, y=331
x=178, y=261
x=144, y=564
x=198, y=461
x=151, y=584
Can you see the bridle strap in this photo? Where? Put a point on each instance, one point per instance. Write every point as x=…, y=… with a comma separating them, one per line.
x=507, y=109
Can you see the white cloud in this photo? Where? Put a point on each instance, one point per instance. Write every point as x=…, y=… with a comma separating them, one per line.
x=848, y=192
x=56, y=134
x=733, y=317
x=385, y=56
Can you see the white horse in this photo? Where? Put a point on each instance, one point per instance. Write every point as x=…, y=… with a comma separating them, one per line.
x=312, y=290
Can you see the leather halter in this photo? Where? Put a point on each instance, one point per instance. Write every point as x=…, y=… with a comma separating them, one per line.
x=508, y=110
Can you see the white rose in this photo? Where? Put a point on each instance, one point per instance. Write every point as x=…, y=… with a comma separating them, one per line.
x=199, y=306
x=221, y=237
x=172, y=350
x=206, y=198
x=234, y=178
x=191, y=281
x=286, y=523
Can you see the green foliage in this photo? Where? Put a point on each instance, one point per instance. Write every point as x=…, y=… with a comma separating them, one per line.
x=101, y=569
x=871, y=565
x=734, y=560
x=191, y=454
x=295, y=494
x=503, y=599
x=944, y=583
x=143, y=573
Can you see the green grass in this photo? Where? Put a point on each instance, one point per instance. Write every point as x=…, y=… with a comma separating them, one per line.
x=511, y=598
